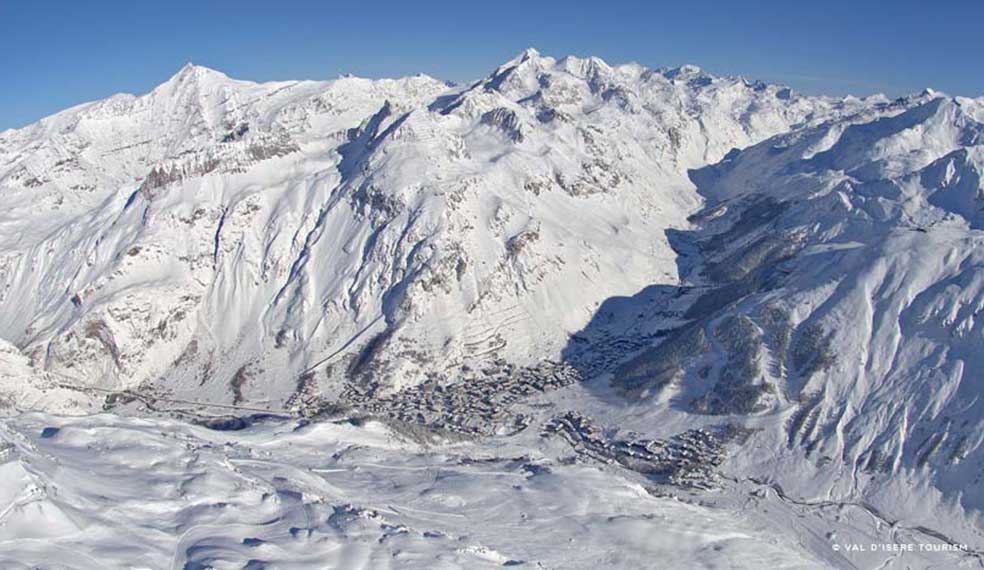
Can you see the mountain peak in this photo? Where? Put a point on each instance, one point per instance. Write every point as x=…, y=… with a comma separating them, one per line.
x=685, y=71
x=528, y=54
x=190, y=72
x=192, y=79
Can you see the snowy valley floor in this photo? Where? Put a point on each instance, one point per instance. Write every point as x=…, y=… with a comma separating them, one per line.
x=106, y=492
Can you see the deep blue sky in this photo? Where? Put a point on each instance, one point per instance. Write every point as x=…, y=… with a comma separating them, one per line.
x=54, y=54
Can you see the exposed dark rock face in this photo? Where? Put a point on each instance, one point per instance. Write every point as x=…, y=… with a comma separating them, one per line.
x=506, y=121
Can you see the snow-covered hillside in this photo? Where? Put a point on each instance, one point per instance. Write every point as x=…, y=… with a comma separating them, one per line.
x=764, y=304
x=231, y=242
x=105, y=492
x=837, y=278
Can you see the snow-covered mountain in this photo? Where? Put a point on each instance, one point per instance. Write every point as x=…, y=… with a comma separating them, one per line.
x=765, y=294
x=836, y=283
x=236, y=242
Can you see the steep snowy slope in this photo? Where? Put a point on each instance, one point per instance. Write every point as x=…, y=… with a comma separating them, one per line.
x=224, y=241
x=836, y=308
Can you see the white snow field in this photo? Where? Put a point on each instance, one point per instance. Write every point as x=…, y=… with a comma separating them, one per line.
x=108, y=492
x=570, y=315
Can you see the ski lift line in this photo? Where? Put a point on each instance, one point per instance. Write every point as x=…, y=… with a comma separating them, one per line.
x=347, y=344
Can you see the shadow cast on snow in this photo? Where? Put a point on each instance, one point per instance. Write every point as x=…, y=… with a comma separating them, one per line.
x=637, y=345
